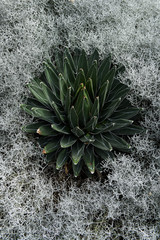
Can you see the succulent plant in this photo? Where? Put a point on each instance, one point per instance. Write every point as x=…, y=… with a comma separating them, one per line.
x=81, y=110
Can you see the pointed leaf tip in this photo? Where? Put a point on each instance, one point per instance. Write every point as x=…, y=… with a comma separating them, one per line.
x=44, y=151
x=38, y=131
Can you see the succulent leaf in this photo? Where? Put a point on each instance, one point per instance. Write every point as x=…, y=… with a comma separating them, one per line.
x=38, y=94
x=59, y=114
x=92, y=123
x=27, y=109
x=34, y=103
x=32, y=128
x=79, y=79
x=105, y=155
x=62, y=158
x=77, y=168
x=49, y=94
x=110, y=107
x=77, y=152
x=110, y=77
x=63, y=89
x=73, y=118
x=51, y=147
x=129, y=130
x=103, y=127
x=44, y=114
x=52, y=79
x=89, y=86
x=70, y=59
x=60, y=128
x=67, y=141
x=89, y=159
x=46, y=130
x=77, y=131
x=83, y=62
x=68, y=100
x=68, y=73
x=87, y=139
x=125, y=113
x=118, y=124
x=120, y=90
x=104, y=68
x=92, y=73
x=102, y=143
x=95, y=107
x=117, y=142
x=103, y=92
x=94, y=56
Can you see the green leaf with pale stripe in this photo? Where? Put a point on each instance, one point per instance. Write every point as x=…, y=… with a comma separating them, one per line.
x=94, y=56
x=91, y=123
x=103, y=93
x=38, y=94
x=78, y=102
x=129, y=130
x=68, y=73
x=60, y=115
x=110, y=77
x=32, y=128
x=34, y=103
x=77, y=131
x=77, y=168
x=77, y=152
x=44, y=114
x=81, y=86
x=101, y=143
x=85, y=111
x=87, y=138
x=68, y=100
x=51, y=147
x=49, y=94
x=62, y=158
x=67, y=141
x=118, y=123
x=80, y=78
x=102, y=127
x=92, y=73
x=104, y=69
x=83, y=62
x=125, y=113
x=89, y=159
x=105, y=155
x=89, y=87
x=51, y=66
x=110, y=108
x=117, y=142
x=73, y=117
x=70, y=59
x=46, y=130
x=27, y=109
x=63, y=89
x=59, y=127
x=120, y=90
x=52, y=79
x=95, y=107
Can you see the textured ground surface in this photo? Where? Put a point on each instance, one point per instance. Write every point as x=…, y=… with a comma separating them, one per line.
x=34, y=205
